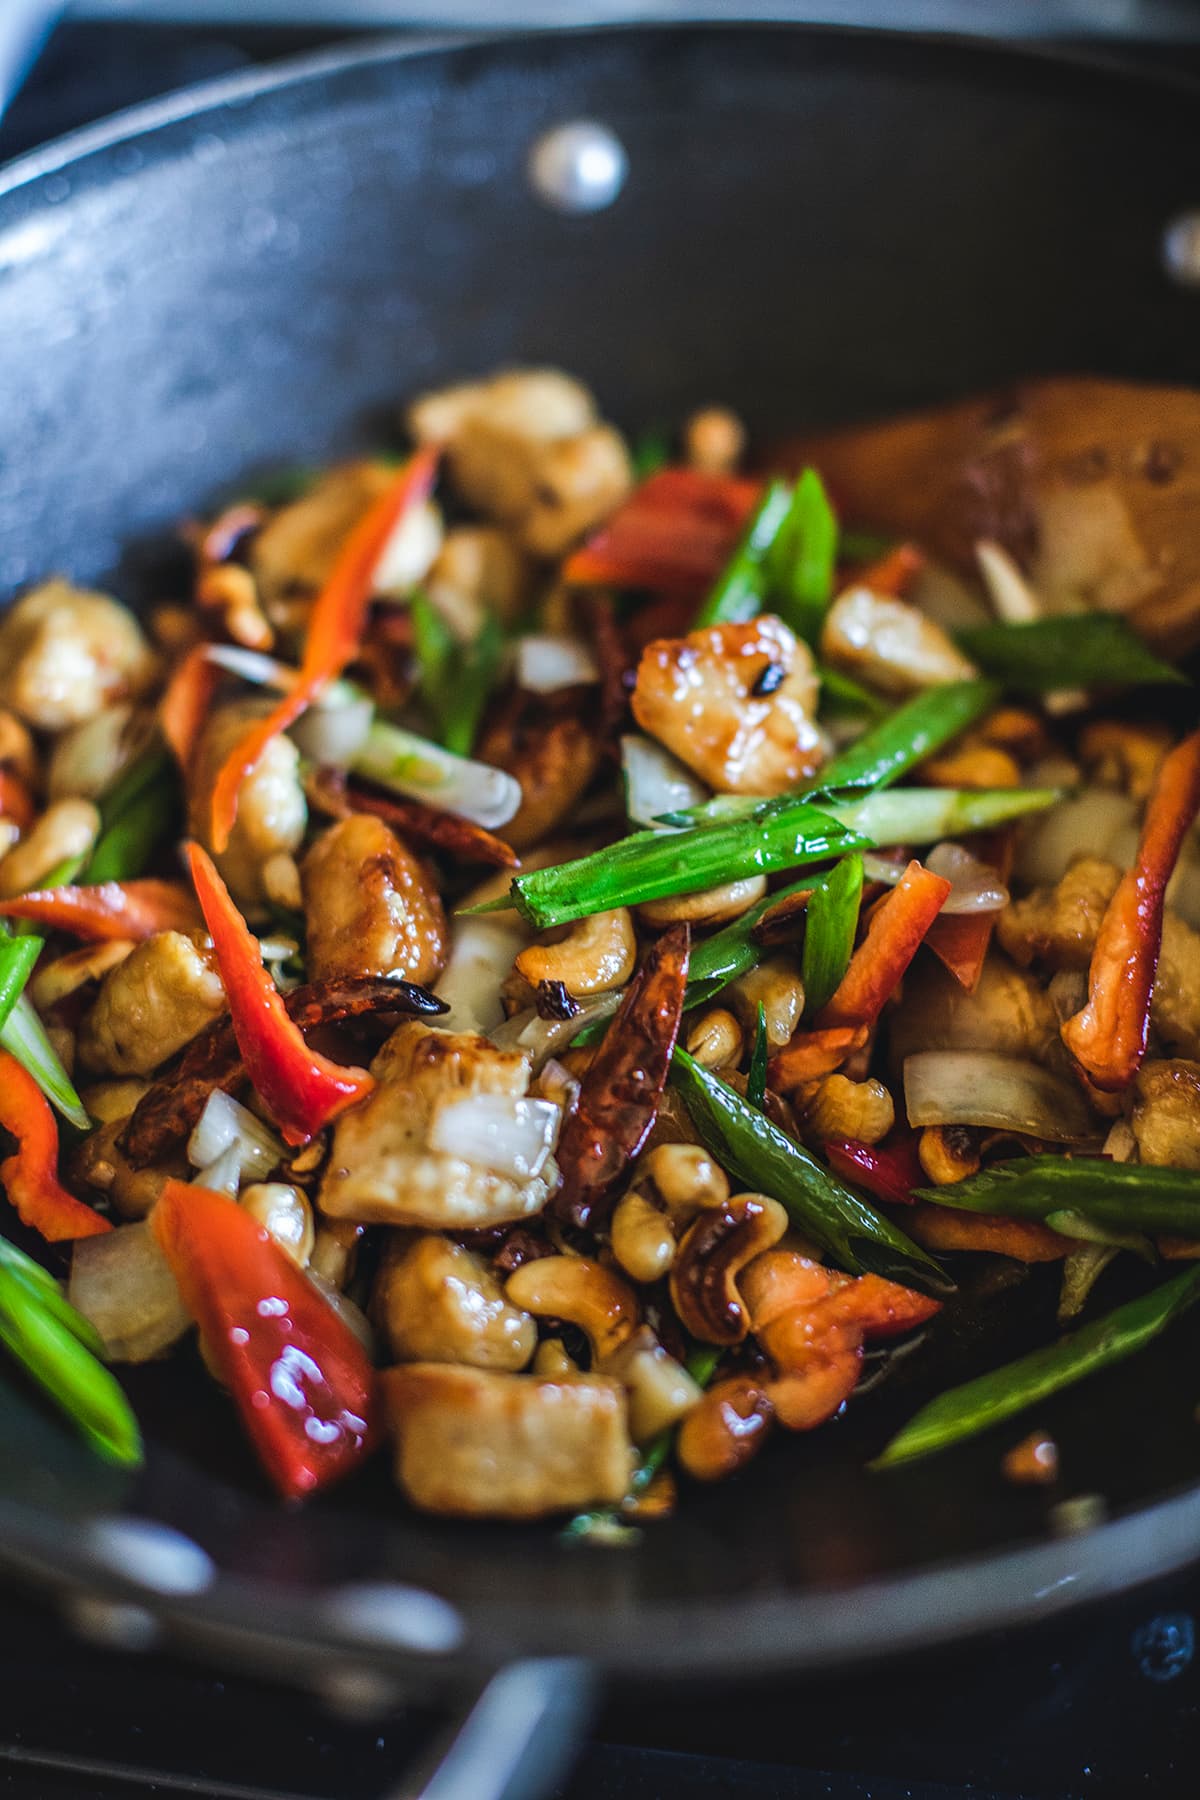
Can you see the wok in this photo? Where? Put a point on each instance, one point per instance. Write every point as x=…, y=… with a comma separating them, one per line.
x=814, y=226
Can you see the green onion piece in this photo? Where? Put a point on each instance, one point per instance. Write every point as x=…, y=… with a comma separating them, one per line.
x=830, y=923
x=804, y=560
x=456, y=678
x=740, y=589
x=136, y=815
x=651, y=452
x=756, y=1079
x=1118, y=1196
x=56, y=1348
x=965, y=1411
x=910, y=734
x=865, y=546
x=839, y=694
x=925, y=815
x=17, y=958
x=651, y=864
x=417, y=766
x=24, y=1036
x=768, y=1161
x=732, y=951
x=1068, y=650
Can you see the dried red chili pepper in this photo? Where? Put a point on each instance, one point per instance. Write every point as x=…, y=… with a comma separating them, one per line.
x=333, y=792
x=675, y=533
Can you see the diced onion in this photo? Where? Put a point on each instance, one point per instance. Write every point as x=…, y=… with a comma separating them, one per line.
x=545, y=663
x=1084, y=824
x=513, y=1137
x=1081, y=1270
x=1011, y=596
x=351, y=1315
x=656, y=782
x=414, y=765
x=227, y=1125
x=481, y=955
x=224, y=1176
x=975, y=887
x=123, y=1284
x=1007, y=1093
x=410, y=551
x=542, y=1038
x=333, y=735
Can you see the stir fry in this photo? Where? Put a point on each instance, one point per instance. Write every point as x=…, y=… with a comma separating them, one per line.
x=551, y=953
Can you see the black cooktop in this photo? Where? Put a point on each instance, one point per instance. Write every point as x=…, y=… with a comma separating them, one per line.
x=1103, y=1707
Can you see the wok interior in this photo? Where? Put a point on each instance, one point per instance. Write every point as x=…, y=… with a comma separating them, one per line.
x=816, y=226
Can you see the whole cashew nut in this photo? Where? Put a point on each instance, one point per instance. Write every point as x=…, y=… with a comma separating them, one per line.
x=580, y=1292
x=676, y=1181
x=717, y=1247
x=598, y=953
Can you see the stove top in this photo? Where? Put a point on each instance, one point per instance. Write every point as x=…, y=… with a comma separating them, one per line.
x=1101, y=1707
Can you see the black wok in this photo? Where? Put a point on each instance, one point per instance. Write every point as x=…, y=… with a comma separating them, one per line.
x=815, y=226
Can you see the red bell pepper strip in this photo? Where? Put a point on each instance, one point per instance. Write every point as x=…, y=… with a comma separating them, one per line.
x=187, y=701
x=1108, y=1037
x=811, y=1055
x=300, y=1378
x=16, y=802
x=30, y=1175
x=961, y=941
x=893, y=938
x=894, y=573
x=1025, y=1240
x=888, y=1171
x=302, y=1090
x=334, y=630
x=674, y=534
x=112, y=909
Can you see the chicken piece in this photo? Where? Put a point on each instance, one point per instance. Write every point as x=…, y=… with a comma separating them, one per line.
x=151, y=1005
x=1057, y=927
x=296, y=549
x=736, y=703
x=66, y=653
x=553, y=756
x=383, y=1169
x=1090, y=485
x=272, y=811
x=536, y=405
x=1166, y=1114
x=477, y=1444
x=889, y=644
x=1008, y=1012
x=478, y=571
x=440, y=1302
x=370, y=906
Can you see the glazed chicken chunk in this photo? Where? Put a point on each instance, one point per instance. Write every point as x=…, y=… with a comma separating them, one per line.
x=1166, y=1114
x=66, y=653
x=371, y=906
x=151, y=1005
x=736, y=703
x=272, y=811
x=397, y=1160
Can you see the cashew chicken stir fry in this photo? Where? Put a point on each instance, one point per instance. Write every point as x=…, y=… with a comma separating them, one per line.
x=550, y=955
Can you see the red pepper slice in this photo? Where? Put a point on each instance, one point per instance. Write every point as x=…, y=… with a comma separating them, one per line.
x=675, y=533
x=888, y=1171
x=300, y=1378
x=302, y=1089
x=961, y=941
x=1108, y=1037
x=894, y=572
x=893, y=938
x=112, y=909
x=30, y=1175
x=811, y=1055
x=335, y=628
x=187, y=701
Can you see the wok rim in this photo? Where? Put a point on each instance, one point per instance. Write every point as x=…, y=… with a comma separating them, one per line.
x=290, y=1630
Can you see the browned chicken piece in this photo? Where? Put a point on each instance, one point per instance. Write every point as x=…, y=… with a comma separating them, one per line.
x=1092, y=486
x=295, y=550
x=394, y=1159
x=151, y=1005
x=1057, y=927
x=478, y=1444
x=66, y=653
x=1166, y=1114
x=1008, y=1012
x=370, y=905
x=553, y=758
x=440, y=1302
x=272, y=811
x=890, y=645
x=736, y=703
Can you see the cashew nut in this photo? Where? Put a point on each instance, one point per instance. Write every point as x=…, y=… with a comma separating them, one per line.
x=661, y=1392
x=597, y=954
x=714, y=440
x=17, y=749
x=725, y=1428
x=682, y=1180
x=775, y=984
x=707, y=906
x=715, y=1039
x=579, y=1292
x=440, y=1302
x=840, y=1108
x=65, y=830
x=715, y=1250
x=949, y=1153
x=284, y=1214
